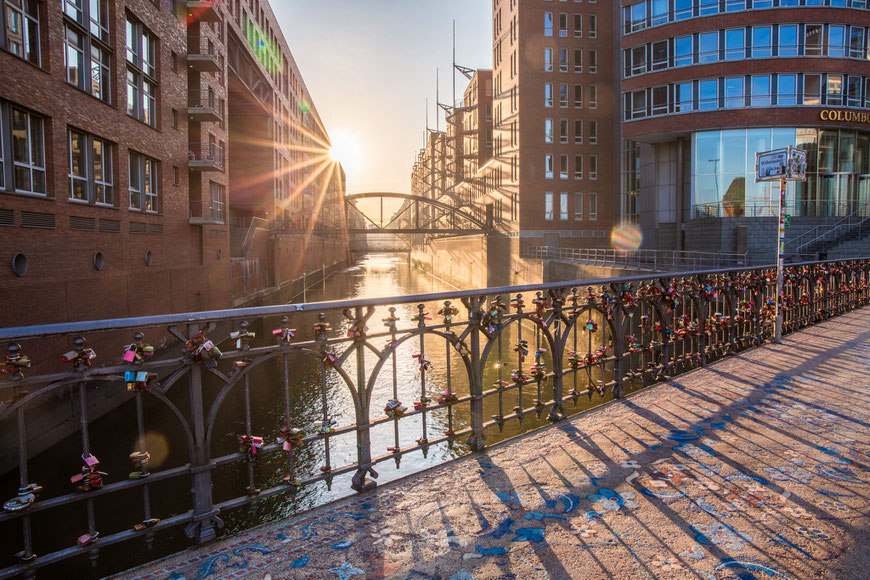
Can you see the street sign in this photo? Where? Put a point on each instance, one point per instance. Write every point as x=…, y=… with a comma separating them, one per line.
x=779, y=164
x=787, y=221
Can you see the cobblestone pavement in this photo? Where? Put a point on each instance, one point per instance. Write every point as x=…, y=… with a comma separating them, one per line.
x=755, y=467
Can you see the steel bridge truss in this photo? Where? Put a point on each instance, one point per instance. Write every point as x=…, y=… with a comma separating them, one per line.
x=510, y=353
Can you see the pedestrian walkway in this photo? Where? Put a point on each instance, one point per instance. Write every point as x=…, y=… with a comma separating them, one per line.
x=757, y=466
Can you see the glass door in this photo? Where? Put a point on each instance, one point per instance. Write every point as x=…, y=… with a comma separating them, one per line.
x=863, y=196
x=838, y=194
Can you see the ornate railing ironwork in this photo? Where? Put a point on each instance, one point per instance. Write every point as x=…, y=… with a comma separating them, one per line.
x=510, y=352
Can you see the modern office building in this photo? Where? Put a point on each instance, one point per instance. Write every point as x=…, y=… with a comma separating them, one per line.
x=707, y=84
x=148, y=150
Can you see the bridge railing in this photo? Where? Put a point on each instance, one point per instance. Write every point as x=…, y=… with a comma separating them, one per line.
x=656, y=260
x=417, y=374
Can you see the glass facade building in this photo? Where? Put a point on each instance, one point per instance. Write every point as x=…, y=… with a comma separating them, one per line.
x=708, y=84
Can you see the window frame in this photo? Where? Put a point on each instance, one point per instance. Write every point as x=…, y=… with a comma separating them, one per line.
x=29, y=22
x=30, y=166
x=96, y=48
x=142, y=73
x=91, y=182
x=142, y=162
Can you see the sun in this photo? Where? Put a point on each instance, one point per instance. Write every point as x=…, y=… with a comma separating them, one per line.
x=344, y=150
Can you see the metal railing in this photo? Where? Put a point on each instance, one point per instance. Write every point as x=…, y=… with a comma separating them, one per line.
x=203, y=100
x=207, y=153
x=200, y=45
x=831, y=209
x=507, y=354
x=654, y=260
x=208, y=210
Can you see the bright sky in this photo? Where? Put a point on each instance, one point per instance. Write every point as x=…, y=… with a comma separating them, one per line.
x=370, y=66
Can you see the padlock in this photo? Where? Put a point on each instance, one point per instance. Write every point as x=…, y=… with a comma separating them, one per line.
x=250, y=444
x=422, y=403
x=591, y=325
x=327, y=425
x=447, y=398
x=145, y=524
x=395, y=409
x=284, y=333
x=522, y=349
x=425, y=364
x=140, y=461
x=292, y=481
x=15, y=361
x=421, y=317
x=290, y=438
x=87, y=539
x=518, y=377
x=501, y=385
x=448, y=312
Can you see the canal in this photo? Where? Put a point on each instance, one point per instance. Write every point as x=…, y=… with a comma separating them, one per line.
x=374, y=276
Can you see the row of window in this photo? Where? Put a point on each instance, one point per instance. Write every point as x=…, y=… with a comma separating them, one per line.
x=564, y=65
x=591, y=19
x=564, y=169
x=91, y=163
x=549, y=213
x=565, y=137
x=783, y=40
x=564, y=101
x=648, y=13
x=813, y=89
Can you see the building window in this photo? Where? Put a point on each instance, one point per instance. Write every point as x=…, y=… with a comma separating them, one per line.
x=735, y=44
x=563, y=130
x=548, y=206
x=548, y=130
x=20, y=26
x=563, y=60
x=708, y=47
x=836, y=40
x=578, y=60
x=660, y=55
x=787, y=36
x=593, y=132
x=761, y=44
x=683, y=51
x=708, y=94
x=548, y=167
x=760, y=91
x=548, y=95
x=2, y=165
x=834, y=93
x=578, y=207
x=683, y=97
x=578, y=96
x=593, y=61
x=593, y=26
x=563, y=167
x=786, y=90
x=563, y=25
x=578, y=131
x=813, y=39
x=593, y=167
x=734, y=92
x=593, y=207
x=578, y=25
x=86, y=46
x=812, y=89
x=548, y=60
x=593, y=96
x=175, y=175
x=143, y=183
x=27, y=152
x=90, y=169
x=563, y=95
x=216, y=207
x=578, y=167
x=141, y=73
x=548, y=24
x=563, y=207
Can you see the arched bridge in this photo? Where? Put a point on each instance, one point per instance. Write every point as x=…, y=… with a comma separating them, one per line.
x=416, y=215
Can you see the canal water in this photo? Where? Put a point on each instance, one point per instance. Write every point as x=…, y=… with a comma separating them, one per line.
x=113, y=436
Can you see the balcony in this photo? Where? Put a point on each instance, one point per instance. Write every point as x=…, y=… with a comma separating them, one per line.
x=202, y=107
x=203, y=11
x=209, y=212
x=205, y=157
x=201, y=56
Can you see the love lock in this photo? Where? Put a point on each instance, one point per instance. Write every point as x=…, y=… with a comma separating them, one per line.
x=90, y=478
x=81, y=357
x=284, y=333
x=518, y=302
x=539, y=371
x=145, y=524
x=27, y=496
x=294, y=482
x=421, y=317
x=290, y=438
x=137, y=352
x=463, y=349
x=501, y=385
x=448, y=312
x=86, y=540
x=15, y=361
x=327, y=426
x=425, y=364
x=395, y=408
x=328, y=359
x=138, y=381
x=518, y=377
x=575, y=361
x=422, y=403
x=140, y=461
x=200, y=349
x=591, y=325
x=447, y=398
x=250, y=444
x=522, y=349
x=242, y=337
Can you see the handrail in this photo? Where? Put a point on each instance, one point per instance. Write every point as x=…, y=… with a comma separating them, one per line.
x=831, y=232
x=828, y=227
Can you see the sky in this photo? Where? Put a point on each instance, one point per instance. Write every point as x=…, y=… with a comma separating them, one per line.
x=370, y=65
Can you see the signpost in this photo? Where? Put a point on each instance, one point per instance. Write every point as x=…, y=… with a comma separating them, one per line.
x=781, y=165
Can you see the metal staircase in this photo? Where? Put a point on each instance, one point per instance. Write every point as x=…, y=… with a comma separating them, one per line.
x=822, y=239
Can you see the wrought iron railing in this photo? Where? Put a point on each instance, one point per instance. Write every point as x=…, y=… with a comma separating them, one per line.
x=655, y=260
x=502, y=355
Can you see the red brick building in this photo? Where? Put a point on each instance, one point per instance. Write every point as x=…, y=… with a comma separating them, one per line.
x=147, y=150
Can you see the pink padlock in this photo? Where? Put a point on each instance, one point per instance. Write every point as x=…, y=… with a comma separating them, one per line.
x=90, y=460
x=287, y=446
x=129, y=356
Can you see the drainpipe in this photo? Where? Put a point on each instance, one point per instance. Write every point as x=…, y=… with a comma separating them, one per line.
x=680, y=195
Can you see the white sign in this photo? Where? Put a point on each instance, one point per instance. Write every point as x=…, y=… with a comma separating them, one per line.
x=789, y=164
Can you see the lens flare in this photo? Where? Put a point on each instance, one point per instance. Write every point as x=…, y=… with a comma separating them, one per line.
x=626, y=237
x=157, y=445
